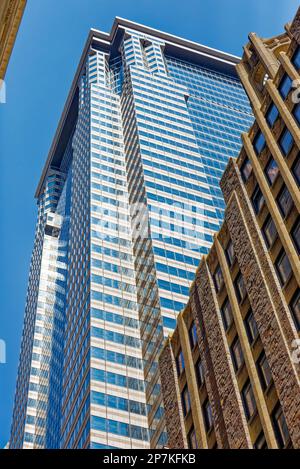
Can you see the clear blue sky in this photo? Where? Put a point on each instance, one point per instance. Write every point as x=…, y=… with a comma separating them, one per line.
x=40, y=72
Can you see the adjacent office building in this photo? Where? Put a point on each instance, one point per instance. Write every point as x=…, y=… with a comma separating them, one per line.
x=128, y=201
x=231, y=370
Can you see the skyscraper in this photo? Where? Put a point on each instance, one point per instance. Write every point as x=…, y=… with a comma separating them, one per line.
x=127, y=202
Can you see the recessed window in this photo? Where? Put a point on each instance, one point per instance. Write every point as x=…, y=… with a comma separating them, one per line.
x=271, y=171
x=237, y=354
x=251, y=327
x=208, y=418
x=296, y=235
x=230, y=253
x=295, y=308
x=296, y=170
x=269, y=231
x=264, y=371
x=285, y=202
x=246, y=169
x=248, y=400
x=272, y=115
x=192, y=439
x=296, y=59
x=180, y=363
x=257, y=200
x=261, y=442
x=226, y=312
x=283, y=267
x=240, y=288
x=218, y=279
x=259, y=142
x=280, y=427
x=186, y=401
x=193, y=335
x=285, y=86
x=286, y=142
x=296, y=113
x=200, y=373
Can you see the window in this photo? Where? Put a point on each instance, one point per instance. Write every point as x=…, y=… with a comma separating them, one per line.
x=296, y=170
x=269, y=231
x=280, y=427
x=271, y=171
x=272, y=115
x=283, y=266
x=285, y=86
x=246, y=169
x=251, y=327
x=264, y=371
x=237, y=354
x=218, y=279
x=186, y=401
x=257, y=200
x=208, y=418
x=296, y=59
x=180, y=363
x=200, y=373
x=285, y=202
x=295, y=309
x=226, y=313
x=230, y=253
x=296, y=235
x=248, y=400
x=240, y=288
x=286, y=142
x=259, y=142
x=193, y=336
x=261, y=442
x=296, y=113
x=192, y=439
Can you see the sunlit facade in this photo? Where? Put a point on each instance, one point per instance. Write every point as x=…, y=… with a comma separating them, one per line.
x=128, y=201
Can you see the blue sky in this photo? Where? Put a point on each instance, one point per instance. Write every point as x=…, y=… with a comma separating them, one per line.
x=45, y=57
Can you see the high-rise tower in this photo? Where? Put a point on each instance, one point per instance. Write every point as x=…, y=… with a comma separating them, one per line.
x=128, y=201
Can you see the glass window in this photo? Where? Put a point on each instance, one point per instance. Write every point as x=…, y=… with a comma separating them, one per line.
x=280, y=427
x=229, y=253
x=259, y=142
x=296, y=59
x=283, y=267
x=296, y=170
x=272, y=115
x=186, y=401
x=286, y=142
x=296, y=235
x=257, y=200
x=246, y=169
x=180, y=363
x=285, y=86
x=269, y=231
x=295, y=308
x=218, y=279
x=192, y=439
x=285, y=202
x=200, y=372
x=248, y=400
x=261, y=442
x=237, y=354
x=208, y=418
x=193, y=335
x=264, y=371
x=251, y=327
x=271, y=171
x=226, y=312
x=296, y=113
x=240, y=288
